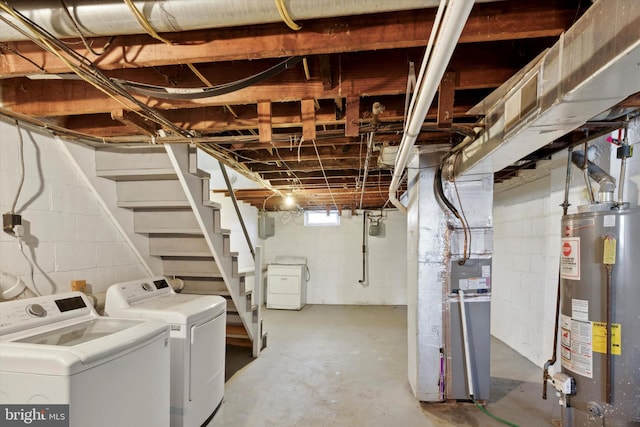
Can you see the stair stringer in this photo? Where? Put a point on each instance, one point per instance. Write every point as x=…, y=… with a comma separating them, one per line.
x=193, y=187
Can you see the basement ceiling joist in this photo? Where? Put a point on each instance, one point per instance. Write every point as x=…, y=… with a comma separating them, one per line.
x=353, y=62
x=488, y=22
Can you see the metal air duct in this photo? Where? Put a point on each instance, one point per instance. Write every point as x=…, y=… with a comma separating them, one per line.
x=113, y=17
x=593, y=66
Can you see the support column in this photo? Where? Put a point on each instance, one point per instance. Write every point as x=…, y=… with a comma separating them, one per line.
x=426, y=275
x=435, y=244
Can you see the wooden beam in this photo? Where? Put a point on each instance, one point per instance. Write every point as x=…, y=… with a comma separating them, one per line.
x=325, y=72
x=264, y=121
x=488, y=22
x=135, y=121
x=352, y=117
x=632, y=101
x=446, y=93
x=308, y=109
x=69, y=97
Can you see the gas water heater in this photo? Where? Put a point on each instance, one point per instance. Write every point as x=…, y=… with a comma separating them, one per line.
x=598, y=308
x=600, y=318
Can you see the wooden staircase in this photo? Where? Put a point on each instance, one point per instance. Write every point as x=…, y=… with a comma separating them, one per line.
x=169, y=198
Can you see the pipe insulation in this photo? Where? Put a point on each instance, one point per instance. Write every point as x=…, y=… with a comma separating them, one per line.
x=434, y=63
x=113, y=17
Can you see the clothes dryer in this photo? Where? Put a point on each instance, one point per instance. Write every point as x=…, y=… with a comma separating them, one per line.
x=198, y=328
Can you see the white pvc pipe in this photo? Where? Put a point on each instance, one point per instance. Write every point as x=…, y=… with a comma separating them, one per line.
x=453, y=22
x=465, y=337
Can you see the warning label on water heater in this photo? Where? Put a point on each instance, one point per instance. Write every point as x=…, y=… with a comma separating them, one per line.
x=576, y=346
x=570, y=258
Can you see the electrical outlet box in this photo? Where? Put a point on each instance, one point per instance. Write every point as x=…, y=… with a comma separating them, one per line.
x=9, y=221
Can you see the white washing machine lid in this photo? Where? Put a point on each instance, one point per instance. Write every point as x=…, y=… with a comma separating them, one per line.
x=71, y=347
x=184, y=309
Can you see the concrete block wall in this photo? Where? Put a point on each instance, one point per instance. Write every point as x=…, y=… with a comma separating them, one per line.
x=527, y=246
x=68, y=234
x=334, y=256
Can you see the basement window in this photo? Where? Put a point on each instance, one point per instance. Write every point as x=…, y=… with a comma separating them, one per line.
x=321, y=218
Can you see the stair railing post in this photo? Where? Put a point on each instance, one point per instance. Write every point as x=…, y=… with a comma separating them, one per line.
x=235, y=205
x=257, y=291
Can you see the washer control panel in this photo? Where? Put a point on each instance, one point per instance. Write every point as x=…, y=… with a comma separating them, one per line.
x=31, y=312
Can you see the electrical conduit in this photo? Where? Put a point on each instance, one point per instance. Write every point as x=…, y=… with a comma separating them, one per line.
x=434, y=64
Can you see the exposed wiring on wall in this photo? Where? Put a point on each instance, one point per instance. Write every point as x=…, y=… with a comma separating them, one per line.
x=439, y=192
x=466, y=251
x=287, y=217
x=19, y=232
x=86, y=44
x=20, y=167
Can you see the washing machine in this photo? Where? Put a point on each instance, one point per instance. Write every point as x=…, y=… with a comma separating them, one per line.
x=198, y=328
x=56, y=351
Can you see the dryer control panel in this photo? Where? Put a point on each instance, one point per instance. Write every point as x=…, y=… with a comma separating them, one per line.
x=141, y=290
x=31, y=312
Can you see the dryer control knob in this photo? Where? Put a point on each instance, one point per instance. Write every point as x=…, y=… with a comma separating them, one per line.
x=36, y=310
x=147, y=287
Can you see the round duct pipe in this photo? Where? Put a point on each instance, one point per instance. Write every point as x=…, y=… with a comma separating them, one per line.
x=113, y=17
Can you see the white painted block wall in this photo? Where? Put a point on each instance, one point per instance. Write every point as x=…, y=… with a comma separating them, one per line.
x=334, y=256
x=68, y=234
x=527, y=247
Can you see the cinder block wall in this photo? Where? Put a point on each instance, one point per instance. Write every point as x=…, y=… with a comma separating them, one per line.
x=68, y=234
x=527, y=247
x=334, y=256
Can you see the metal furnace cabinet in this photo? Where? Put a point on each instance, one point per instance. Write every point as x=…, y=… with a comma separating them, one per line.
x=287, y=286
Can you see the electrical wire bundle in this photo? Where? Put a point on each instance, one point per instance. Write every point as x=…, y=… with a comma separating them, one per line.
x=86, y=70
x=439, y=192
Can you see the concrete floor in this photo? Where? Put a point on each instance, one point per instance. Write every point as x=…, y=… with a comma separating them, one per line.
x=347, y=366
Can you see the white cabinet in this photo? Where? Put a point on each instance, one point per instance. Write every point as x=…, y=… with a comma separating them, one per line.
x=287, y=286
